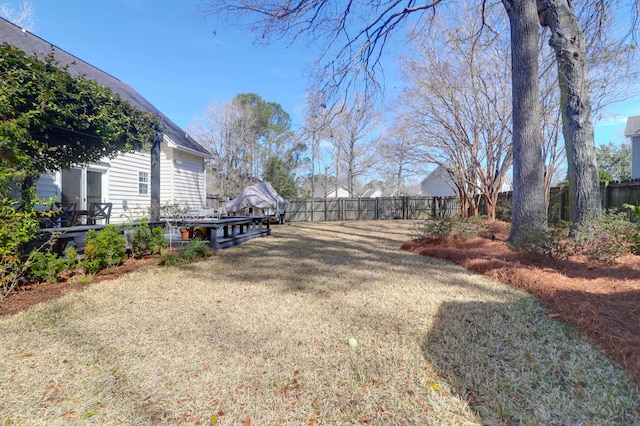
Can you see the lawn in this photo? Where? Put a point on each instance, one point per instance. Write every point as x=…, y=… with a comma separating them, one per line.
x=259, y=335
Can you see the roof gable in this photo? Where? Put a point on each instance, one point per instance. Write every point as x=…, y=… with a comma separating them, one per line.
x=33, y=45
x=633, y=126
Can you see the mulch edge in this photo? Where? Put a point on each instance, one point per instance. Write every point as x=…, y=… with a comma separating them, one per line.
x=599, y=316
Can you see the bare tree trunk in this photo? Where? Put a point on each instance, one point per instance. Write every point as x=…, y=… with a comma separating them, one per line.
x=529, y=218
x=569, y=45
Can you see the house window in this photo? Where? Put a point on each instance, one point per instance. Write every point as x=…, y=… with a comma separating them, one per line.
x=143, y=183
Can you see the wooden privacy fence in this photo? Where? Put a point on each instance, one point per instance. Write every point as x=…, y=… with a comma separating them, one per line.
x=338, y=209
x=614, y=195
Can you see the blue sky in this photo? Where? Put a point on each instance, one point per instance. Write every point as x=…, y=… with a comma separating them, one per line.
x=182, y=61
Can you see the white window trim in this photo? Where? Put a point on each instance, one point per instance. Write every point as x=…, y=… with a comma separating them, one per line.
x=147, y=174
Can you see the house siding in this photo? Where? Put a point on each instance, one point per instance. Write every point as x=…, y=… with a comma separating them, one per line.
x=188, y=180
x=635, y=160
x=182, y=180
x=123, y=186
x=48, y=186
x=167, y=191
x=438, y=184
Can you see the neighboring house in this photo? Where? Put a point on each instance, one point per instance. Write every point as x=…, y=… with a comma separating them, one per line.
x=339, y=192
x=372, y=193
x=633, y=131
x=438, y=184
x=125, y=181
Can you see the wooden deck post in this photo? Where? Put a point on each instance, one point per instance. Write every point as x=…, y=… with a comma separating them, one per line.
x=155, y=179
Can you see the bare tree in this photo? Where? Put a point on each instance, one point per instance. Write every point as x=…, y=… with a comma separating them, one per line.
x=229, y=132
x=569, y=44
x=398, y=152
x=355, y=34
x=586, y=41
x=528, y=219
x=458, y=98
x=23, y=17
x=349, y=131
x=314, y=130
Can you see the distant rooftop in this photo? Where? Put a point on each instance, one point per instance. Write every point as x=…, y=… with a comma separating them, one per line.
x=633, y=126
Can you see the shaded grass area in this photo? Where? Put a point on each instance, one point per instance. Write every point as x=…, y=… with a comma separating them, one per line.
x=259, y=334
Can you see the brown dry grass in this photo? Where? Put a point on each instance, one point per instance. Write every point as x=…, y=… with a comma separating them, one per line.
x=258, y=335
x=600, y=300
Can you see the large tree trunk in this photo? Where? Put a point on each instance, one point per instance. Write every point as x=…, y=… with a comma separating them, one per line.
x=569, y=45
x=529, y=219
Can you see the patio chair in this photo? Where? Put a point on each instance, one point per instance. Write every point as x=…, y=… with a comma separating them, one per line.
x=99, y=211
x=67, y=214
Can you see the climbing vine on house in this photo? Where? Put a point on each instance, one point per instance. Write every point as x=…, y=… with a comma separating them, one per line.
x=50, y=121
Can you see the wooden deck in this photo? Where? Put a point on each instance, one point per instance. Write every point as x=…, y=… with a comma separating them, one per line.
x=228, y=231
x=219, y=233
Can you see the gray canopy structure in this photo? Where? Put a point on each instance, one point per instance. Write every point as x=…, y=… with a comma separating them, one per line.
x=260, y=195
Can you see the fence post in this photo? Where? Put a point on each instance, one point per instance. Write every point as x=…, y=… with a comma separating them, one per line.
x=326, y=214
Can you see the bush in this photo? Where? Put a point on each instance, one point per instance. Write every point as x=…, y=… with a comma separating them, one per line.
x=553, y=243
x=18, y=225
x=144, y=240
x=195, y=249
x=103, y=249
x=438, y=229
x=44, y=266
x=607, y=237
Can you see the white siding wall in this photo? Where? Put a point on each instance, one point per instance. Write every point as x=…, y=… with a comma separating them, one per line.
x=167, y=190
x=123, y=186
x=438, y=184
x=48, y=186
x=187, y=180
x=635, y=157
x=181, y=181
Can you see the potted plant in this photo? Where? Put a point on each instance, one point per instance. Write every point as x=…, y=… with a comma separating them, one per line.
x=185, y=233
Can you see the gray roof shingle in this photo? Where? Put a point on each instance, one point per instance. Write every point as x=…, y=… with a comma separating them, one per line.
x=32, y=45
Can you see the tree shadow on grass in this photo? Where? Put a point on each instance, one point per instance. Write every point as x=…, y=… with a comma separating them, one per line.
x=513, y=365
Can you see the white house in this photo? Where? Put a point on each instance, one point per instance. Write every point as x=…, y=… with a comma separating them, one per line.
x=372, y=193
x=339, y=192
x=124, y=181
x=438, y=184
x=633, y=131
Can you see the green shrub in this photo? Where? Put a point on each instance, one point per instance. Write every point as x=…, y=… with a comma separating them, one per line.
x=18, y=225
x=44, y=266
x=607, y=237
x=553, y=243
x=144, y=240
x=71, y=257
x=195, y=249
x=438, y=229
x=103, y=249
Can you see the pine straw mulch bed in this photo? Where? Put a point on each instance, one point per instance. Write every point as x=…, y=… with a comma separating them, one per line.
x=602, y=301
